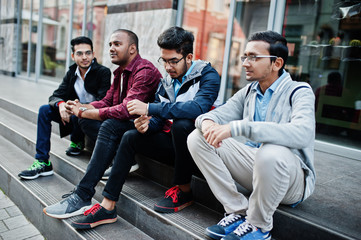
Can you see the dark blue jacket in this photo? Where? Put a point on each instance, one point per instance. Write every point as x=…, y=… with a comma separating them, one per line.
x=196, y=96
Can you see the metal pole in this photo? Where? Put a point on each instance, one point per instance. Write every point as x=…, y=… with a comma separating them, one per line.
x=84, y=18
x=39, y=44
x=227, y=51
x=29, y=42
x=180, y=10
x=68, y=50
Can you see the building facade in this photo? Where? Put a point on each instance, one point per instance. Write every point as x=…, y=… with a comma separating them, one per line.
x=324, y=40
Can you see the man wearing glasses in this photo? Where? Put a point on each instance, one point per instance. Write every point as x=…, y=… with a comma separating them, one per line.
x=275, y=116
x=190, y=89
x=85, y=80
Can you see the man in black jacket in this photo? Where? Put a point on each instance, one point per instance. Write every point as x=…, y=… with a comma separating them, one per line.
x=85, y=80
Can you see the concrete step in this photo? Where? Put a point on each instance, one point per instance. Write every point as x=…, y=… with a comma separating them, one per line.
x=316, y=218
x=33, y=196
x=138, y=196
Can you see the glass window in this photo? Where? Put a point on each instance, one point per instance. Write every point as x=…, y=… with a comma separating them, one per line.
x=207, y=20
x=55, y=35
x=250, y=17
x=29, y=23
x=325, y=51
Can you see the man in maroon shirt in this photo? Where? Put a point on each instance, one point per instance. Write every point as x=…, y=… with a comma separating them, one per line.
x=135, y=78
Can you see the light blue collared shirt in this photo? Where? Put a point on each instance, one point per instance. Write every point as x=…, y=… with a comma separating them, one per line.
x=177, y=84
x=262, y=101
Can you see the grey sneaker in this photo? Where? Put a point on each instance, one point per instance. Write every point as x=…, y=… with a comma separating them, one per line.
x=69, y=207
x=107, y=172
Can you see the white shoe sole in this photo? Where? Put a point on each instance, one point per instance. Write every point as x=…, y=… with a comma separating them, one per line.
x=68, y=215
x=132, y=169
x=44, y=174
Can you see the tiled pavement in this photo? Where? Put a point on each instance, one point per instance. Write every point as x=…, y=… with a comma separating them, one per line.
x=13, y=224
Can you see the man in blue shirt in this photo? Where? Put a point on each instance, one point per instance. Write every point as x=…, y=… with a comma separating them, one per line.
x=276, y=116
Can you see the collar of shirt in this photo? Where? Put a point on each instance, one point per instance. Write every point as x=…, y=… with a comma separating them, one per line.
x=177, y=84
x=262, y=101
x=77, y=71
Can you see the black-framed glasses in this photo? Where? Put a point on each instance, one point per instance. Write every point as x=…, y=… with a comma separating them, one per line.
x=80, y=53
x=253, y=58
x=172, y=62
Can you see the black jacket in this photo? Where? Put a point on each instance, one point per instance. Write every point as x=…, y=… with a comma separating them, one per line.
x=97, y=83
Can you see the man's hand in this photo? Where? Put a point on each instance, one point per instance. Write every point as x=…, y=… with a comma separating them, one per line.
x=72, y=107
x=136, y=107
x=142, y=123
x=64, y=115
x=215, y=133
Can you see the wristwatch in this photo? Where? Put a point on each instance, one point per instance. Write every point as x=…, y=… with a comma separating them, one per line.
x=81, y=110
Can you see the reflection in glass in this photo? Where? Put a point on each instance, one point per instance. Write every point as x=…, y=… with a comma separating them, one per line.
x=250, y=17
x=207, y=20
x=325, y=51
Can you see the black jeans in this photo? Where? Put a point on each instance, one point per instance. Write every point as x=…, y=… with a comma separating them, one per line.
x=90, y=128
x=161, y=146
x=110, y=133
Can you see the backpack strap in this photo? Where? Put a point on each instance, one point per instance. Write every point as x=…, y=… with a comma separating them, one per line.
x=293, y=92
x=249, y=88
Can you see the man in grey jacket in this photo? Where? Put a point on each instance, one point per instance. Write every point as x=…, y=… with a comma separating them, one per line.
x=275, y=116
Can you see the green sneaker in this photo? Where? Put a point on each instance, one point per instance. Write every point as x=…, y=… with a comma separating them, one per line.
x=37, y=169
x=74, y=149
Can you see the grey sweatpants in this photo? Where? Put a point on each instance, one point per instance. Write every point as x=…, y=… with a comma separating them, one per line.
x=272, y=173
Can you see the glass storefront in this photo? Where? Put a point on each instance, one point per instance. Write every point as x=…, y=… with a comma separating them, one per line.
x=324, y=46
x=325, y=51
x=55, y=30
x=250, y=16
x=207, y=20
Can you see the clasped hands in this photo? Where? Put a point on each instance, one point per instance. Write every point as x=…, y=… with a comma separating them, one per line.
x=136, y=107
x=66, y=109
x=215, y=133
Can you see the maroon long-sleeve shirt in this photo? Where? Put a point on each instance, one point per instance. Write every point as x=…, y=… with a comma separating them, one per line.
x=140, y=81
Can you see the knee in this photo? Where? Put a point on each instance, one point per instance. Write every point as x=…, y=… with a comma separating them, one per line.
x=182, y=126
x=107, y=126
x=129, y=136
x=268, y=157
x=44, y=110
x=194, y=140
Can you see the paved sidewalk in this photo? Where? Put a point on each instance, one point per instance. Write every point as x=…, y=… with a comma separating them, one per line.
x=13, y=224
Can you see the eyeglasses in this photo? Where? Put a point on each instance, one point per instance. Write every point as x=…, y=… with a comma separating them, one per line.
x=80, y=53
x=253, y=58
x=172, y=62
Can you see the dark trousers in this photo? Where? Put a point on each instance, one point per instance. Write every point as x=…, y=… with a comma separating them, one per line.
x=46, y=115
x=110, y=133
x=161, y=146
x=90, y=128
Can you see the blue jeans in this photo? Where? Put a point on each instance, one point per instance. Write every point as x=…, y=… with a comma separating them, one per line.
x=109, y=136
x=164, y=147
x=46, y=115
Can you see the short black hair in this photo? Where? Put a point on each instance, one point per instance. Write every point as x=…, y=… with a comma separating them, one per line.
x=278, y=45
x=133, y=38
x=80, y=40
x=176, y=38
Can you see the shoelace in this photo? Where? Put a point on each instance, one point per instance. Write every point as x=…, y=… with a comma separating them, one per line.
x=229, y=219
x=93, y=209
x=173, y=193
x=68, y=194
x=36, y=165
x=244, y=228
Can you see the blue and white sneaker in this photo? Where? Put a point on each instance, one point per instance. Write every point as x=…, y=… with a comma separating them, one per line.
x=247, y=231
x=71, y=206
x=227, y=225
